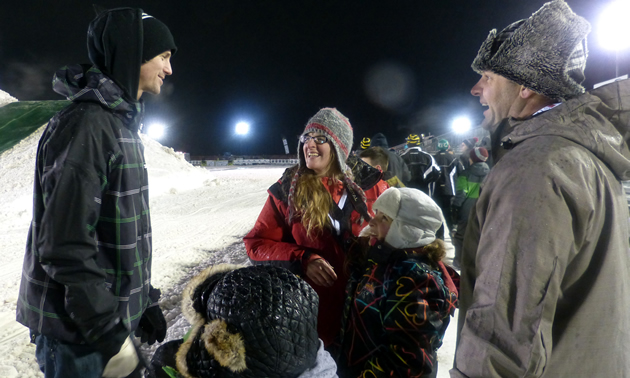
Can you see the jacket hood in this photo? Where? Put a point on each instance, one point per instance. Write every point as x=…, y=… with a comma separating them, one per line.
x=379, y=140
x=236, y=310
x=115, y=47
x=598, y=120
x=83, y=83
x=479, y=169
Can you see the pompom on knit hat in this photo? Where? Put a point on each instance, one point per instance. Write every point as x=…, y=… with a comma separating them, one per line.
x=416, y=217
x=546, y=53
x=478, y=155
x=336, y=127
x=442, y=145
x=156, y=38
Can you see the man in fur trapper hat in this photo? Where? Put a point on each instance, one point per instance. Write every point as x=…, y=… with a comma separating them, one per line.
x=545, y=254
x=249, y=322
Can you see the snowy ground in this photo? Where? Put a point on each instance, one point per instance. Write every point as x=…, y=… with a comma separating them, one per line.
x=199, y=217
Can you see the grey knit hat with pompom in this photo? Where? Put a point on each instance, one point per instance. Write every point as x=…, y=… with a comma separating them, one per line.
x=336, y=127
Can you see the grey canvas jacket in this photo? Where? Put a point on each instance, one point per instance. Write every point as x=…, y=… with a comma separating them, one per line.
x=545, y=289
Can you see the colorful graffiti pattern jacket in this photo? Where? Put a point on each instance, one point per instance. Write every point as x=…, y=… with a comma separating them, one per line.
x=396, y=314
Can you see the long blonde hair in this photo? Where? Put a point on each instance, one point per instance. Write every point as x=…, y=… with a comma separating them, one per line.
x=312, y=201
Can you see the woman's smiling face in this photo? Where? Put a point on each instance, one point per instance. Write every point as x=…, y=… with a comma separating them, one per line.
x=317, y=156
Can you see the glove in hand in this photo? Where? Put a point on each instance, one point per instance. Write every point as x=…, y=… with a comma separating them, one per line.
x=152, y=326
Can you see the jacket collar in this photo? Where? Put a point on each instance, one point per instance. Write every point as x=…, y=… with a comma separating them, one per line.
x=597, y=121
x=82, y=83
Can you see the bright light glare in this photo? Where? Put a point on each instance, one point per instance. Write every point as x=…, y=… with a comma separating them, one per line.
x=242, y=128
x=461, y=125
x=614, y=27
x=156, y=131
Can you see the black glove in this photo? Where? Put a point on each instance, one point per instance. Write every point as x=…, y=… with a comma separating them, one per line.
x=152, y=325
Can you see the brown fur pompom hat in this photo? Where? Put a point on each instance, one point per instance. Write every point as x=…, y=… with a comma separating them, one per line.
x=257, y=321
x=545, y=53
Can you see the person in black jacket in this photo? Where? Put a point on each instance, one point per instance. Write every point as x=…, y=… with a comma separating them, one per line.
x=424, y=171
x=86, y=281
x=396, y=165
x=445, y=187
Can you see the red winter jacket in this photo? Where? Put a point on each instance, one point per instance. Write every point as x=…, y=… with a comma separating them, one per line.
x=273, y=241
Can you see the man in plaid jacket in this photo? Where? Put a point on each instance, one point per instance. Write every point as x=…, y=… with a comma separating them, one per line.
x=86, y=281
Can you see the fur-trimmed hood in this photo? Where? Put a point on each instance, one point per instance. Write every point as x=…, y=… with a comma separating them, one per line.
x=545, y=53
x=257, y=321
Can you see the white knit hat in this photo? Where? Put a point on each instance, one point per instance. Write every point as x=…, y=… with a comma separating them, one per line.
x=416, y=217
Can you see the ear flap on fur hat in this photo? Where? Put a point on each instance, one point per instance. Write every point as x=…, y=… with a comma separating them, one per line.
x=545, y=53
x=193, y=306
x=226, y=347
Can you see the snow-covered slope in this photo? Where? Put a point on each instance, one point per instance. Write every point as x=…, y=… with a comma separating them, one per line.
x=6, y=98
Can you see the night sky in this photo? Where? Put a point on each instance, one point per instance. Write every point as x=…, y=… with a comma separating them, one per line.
x=389, y=66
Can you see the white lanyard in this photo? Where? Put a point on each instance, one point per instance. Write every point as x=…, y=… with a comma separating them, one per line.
x=335, y=223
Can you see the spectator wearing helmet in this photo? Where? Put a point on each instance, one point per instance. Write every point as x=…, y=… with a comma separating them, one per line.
x=424, y=170
x=450, y=167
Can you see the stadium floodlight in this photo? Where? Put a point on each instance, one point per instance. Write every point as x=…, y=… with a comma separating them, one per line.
x=461, y=125
x=242, y=128
x=614, y=28
x=156, y=131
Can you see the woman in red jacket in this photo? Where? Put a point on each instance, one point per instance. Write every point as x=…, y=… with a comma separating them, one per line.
x=311, y=211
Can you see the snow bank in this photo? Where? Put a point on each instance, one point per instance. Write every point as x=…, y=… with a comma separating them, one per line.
x=6, y=98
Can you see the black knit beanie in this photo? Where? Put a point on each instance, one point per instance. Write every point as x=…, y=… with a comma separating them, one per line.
x=470, y=142
x=157, y=38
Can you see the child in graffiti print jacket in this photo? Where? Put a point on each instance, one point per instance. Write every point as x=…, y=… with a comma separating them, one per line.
x=401, y=295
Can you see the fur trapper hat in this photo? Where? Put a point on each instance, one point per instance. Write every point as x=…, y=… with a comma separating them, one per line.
x=257, y=321
x=545, y=53
x=416, y=217
x=336, y=127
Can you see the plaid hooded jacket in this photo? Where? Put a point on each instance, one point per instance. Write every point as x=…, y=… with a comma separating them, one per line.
x=87, y=264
